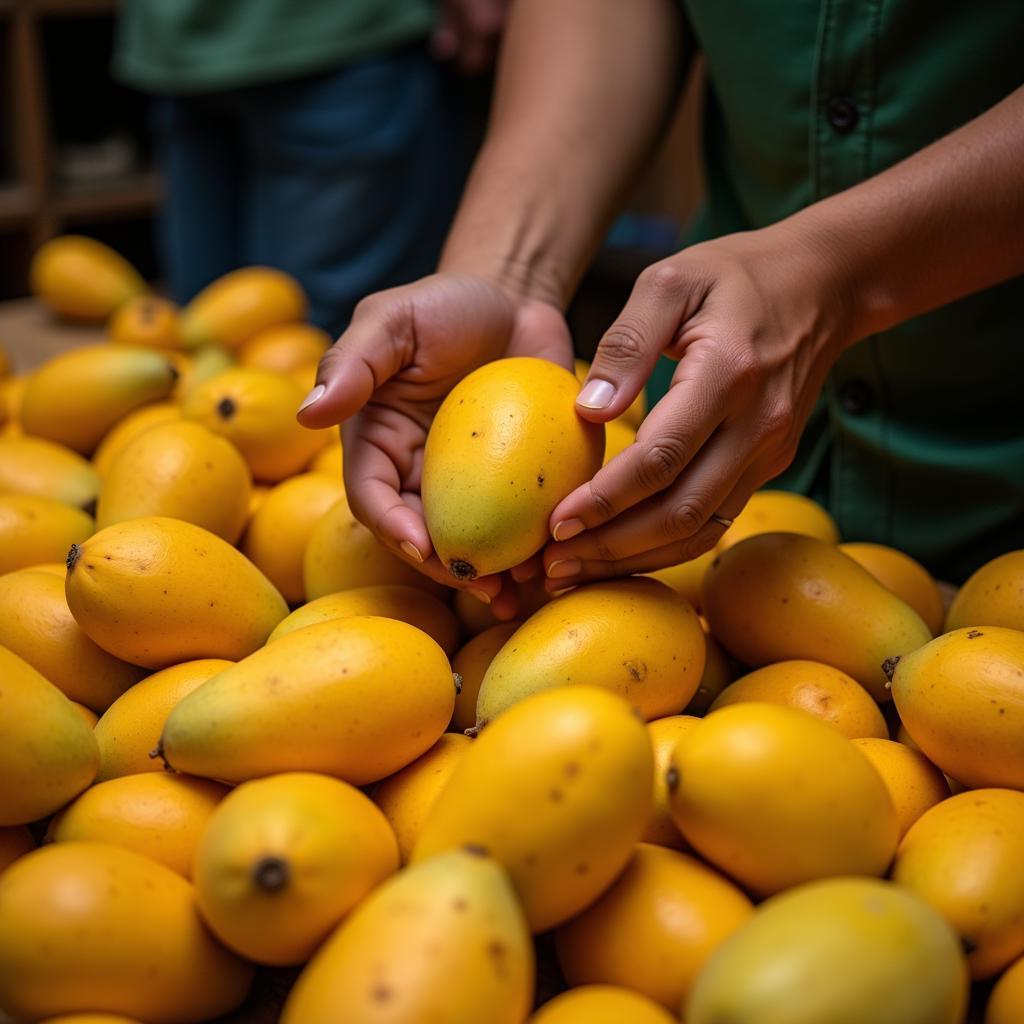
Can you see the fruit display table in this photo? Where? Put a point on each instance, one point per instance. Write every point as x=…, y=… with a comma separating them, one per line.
x=30, y=334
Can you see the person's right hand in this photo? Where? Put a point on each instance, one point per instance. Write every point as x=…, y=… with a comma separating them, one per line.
x=385, y=378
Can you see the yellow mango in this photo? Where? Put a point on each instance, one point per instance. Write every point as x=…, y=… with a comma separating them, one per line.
x=443, y=940
x=406, y=797
x=328, y=460
x=810, y=686
x=15, y=842
x=390, y=600
x=285, y=347
x=121, y=935
x=183, y=471
x=342, y=554
x=129, y=730
x=160, y=816
x=358, y=698
x=284, y=859
x=157, y=591
x=255, y=410
x=601, y=1004
x=257, y=495
x=475, y=615
x=666, y=734
x=34, y=530
x=717, y=675
x=780, y=596
x=775, y=797
x=201, y=365
x=12, y=391
x=841, y=951
x=77, y=396
x=147, y=320
x=653, y=929
x=88, y=715
x=962, y=698
x=687, y=577
x=963, y=857
x=634, y=636
x=913, y=782
x=504, y=449
x=992, y=596
x=618, y=436
x=1006, y=1003
x=238, y=306
x=47, y=753
x=91, y=1018
x=82, y=279
x=557, y=790
x=905, y=577
x=780, y=511
x=37, y=625
x=280, y=529
x=33, y=465
x=471, y=664
x=128, y=429
x=636, y=412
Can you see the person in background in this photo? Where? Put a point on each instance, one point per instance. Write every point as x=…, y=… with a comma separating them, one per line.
x=323, y=137
x=847, y=315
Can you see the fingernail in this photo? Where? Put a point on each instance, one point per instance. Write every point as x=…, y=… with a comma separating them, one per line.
x=566, y=529
x=480, y=595
x=523, y=573
x=597, y=394
x=412, y=551
x=314, y=396
x=564, y=567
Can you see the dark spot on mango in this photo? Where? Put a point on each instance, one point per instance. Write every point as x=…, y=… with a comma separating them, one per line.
x=381, y=993
x=540, y=479
x=555, y=795
x=226, y=408
x=974, y=634
x=637, y=670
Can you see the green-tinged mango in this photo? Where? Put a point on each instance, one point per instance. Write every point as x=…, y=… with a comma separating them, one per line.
x=33, y=465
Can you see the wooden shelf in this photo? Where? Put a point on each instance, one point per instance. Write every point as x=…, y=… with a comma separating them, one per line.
x=137, y=193
x=17, y=205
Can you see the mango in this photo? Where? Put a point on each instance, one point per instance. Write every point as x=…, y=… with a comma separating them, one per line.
x=601, y=1004
x=962, y=698
x=12, y=391
x=47, y=753
x=88, y=715
x=238, y=306
x=358, y=698
x=82, y=904
x=406, y=797
x=618, y=436
x=717, y=675
x=504, y=449
x=633, y=636
x=390, y=600
x=913, y=782
x=809, y=686
x=33, y=465
x=905, y=577
x=15, y=842
x=992, y=596
x=284, y=859
x=771, y=511
x=147, y=320
x=183, y=471
x=775, y=797
x=201, y=365
x=34, y=530
x=129, y=428
x=160, y=816
x=557, y=790
x=1006, y=1003
x=330, y=459
x=82, y=279
x=157, y=591
x=444, y=940
x=963, y=858
x=74, y=398
x=845, y=951
x=285, y=348
x=666, y=734
x=654, y=928
x=37, y=625
x=342, y=554
x=471, y=664
x=781, y=596
x=687, y=577
x=129, y=730
x=280, y=528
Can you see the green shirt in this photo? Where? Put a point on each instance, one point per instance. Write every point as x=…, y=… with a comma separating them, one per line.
x=192, y=46
x=918, y=440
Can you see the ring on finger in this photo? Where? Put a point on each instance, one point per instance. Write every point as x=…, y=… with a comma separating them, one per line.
x=723, y=520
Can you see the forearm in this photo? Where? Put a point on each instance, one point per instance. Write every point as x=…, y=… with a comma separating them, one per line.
x=584, y=91
x=941, y=224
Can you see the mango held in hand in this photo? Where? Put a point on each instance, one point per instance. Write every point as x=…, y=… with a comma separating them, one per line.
x=158, y=591
x=121, y=935
x=778, y=596
x=505, y=448
x=557, y=790
x=358, y=698
x=842, y=951
x=443, y=940
x=636, y=637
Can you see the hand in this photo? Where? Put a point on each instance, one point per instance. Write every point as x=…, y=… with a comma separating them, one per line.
x=756, y=320
x=467, y=33
x=385, y=378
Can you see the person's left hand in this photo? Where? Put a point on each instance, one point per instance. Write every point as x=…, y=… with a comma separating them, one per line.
x=756, y=320
x=467, y=33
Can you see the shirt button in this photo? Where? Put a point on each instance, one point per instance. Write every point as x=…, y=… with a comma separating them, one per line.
x=856, y=397
x=842, y=114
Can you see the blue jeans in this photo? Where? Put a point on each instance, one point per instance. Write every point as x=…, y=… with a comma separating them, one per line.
x=347, y=180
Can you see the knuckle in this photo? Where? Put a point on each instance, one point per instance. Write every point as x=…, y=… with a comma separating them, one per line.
x=686, y=518
x=623, y=342
x=606, y=551
x=660, y=464
x=746, y=369
x=664, y=277
x=777, y=423
x=601, y=504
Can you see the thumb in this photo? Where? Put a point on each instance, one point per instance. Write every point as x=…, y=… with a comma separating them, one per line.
x=625, y=358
